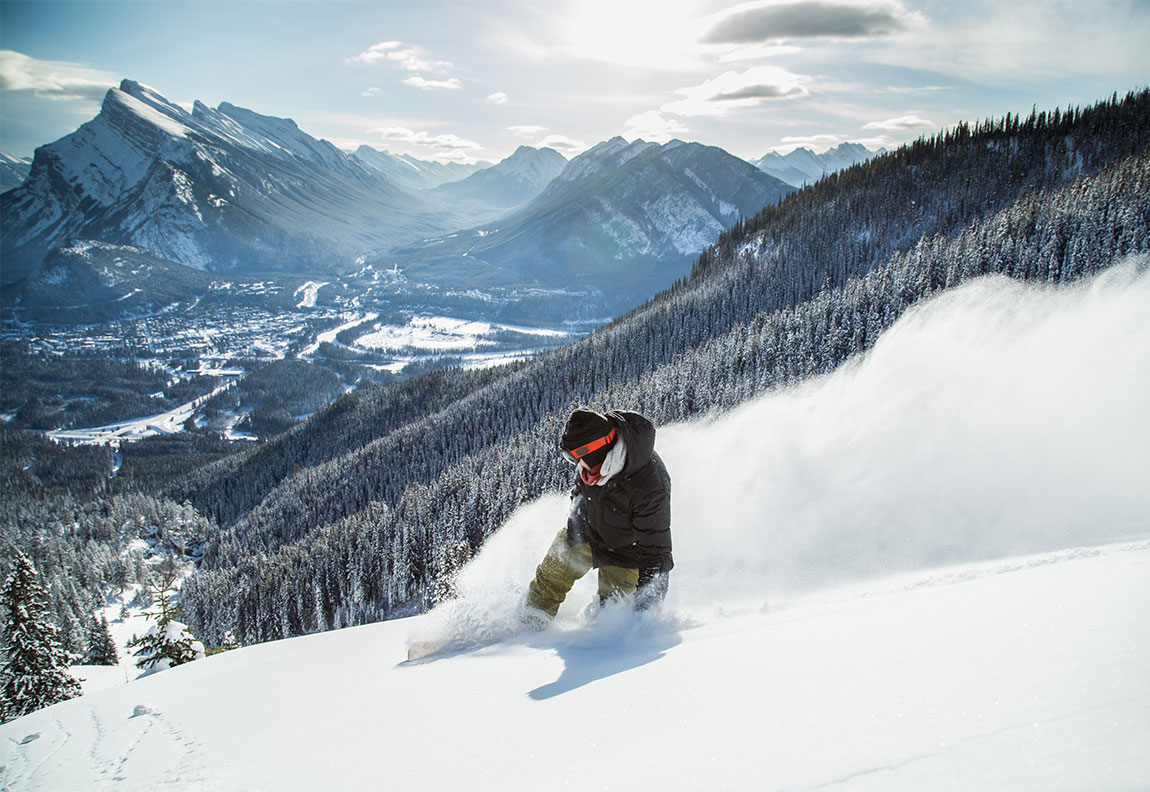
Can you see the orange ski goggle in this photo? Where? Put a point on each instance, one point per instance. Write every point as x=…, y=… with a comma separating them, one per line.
x=575, y=454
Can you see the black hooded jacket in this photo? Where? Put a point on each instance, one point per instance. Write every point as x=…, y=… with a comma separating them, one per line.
x=627, y=521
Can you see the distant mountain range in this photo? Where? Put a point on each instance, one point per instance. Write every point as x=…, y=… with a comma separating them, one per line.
x=628, y=218
x=230, y=191
x=412, y=173
x=803, y=166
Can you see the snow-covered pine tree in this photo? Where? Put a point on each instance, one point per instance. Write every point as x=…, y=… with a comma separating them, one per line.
x=101, y=647
x=168, y=642
x=35, y=670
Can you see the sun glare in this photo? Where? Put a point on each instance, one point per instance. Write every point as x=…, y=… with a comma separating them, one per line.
x=648, y=33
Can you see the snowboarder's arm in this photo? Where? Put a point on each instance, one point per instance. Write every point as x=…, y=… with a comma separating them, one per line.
x=652, y=521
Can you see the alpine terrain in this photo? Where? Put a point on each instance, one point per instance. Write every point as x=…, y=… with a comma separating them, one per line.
x=903, y=411
x=224, y=189
x=621, y=220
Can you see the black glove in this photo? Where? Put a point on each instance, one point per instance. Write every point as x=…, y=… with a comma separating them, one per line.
x=652, y=589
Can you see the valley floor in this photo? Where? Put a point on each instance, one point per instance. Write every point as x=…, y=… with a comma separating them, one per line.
x=1024, y=673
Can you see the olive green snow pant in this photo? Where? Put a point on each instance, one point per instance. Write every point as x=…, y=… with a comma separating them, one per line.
x=563, y=565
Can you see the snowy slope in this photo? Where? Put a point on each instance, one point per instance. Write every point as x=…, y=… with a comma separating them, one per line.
x=1028, y=674
x=13, y=171
x=928, y=570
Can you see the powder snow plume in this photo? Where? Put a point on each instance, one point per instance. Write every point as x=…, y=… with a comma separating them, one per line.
x=998, y=418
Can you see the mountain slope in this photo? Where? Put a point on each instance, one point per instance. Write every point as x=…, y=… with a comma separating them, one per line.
x=623, y=219
x=13, y=171
x=1021, y=674
x=90, y=281
x=514, y=181
x=223, y=190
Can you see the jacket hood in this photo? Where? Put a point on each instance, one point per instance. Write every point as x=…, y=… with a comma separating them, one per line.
x=638, y=435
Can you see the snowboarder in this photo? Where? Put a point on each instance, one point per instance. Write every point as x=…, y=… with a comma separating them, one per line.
x=620, y=517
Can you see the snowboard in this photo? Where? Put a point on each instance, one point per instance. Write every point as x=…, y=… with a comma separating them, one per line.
x=424, y=649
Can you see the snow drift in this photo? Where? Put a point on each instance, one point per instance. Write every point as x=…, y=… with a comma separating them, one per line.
x=999, y=418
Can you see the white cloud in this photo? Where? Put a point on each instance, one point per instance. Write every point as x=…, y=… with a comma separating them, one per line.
x=563, y=144
x=878, y=142
x=817, y=143
x=758, y=52
x=810, y=19
x=450, y=84
x=498, y=98
x=737, y=89
x=53, y=79
x=409, y=57
x=526, y=130
x=903, y=122
x=654, y=126
x=373, y=91
x=425, y=139
x=1061, y=44
x=813, y=140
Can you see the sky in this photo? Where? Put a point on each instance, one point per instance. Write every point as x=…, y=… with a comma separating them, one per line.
x=468, y=81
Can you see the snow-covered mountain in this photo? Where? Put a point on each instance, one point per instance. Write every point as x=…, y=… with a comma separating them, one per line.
x=626, y=217
x=632, y=212
x=13, y=171
x=514, y=181
x=414, y=173
x=90, y=281
x=223, y=189
x=803, y=166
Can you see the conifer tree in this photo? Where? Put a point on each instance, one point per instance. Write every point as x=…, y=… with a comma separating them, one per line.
x=168, y=642
x=35, y=670
x=101, y=647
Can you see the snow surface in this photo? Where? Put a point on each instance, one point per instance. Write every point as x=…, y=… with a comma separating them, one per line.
x=169, y=422
x=430, y=333
x=929, y=570
x=310, y=292
x=1023, y=675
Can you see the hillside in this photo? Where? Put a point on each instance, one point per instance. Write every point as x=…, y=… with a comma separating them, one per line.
x=1023, y=673
x=795, y=292
x=414, y=173
x=89, y=281
x=13, y=171
x=894, y=577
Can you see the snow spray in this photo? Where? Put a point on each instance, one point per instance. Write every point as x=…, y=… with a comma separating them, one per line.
x=998, y=418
